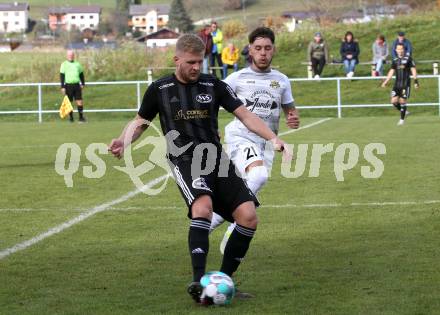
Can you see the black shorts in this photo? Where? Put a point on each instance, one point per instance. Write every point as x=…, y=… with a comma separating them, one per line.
x=73, y=91
x=401, y=92
x=226, y=188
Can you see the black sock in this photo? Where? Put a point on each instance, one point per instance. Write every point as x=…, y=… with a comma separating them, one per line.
x=71, y=115
x=236, y=248
x=403, y=111
x=80, y=112
x=397, y=106
x=198, y=241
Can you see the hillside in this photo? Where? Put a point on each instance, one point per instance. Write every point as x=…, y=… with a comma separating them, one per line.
x=198, y=9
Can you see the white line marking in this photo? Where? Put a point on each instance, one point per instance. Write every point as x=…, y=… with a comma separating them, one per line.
x=305, y=127
x=316, y=205
x=59, y=228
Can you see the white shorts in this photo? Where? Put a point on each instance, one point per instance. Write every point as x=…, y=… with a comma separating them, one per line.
x=244, y=152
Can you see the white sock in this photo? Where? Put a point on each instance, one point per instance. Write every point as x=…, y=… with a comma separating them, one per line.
x=216, y=221
x=256, y=178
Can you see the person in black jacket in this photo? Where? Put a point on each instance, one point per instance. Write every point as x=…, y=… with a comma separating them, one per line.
x=349, y=53
x=245, y=54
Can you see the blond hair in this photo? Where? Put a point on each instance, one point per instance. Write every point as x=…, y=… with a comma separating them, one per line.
x=190, y=43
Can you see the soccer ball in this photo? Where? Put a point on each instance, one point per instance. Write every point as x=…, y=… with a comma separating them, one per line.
x=218, y=288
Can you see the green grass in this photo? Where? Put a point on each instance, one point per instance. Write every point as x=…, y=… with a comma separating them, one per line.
x=349, y=257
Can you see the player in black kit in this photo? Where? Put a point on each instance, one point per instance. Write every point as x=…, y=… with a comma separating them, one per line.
x=187, y=103
x=403, y=66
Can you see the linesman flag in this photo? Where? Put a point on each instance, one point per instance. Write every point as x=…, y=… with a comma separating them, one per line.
x=66, y=107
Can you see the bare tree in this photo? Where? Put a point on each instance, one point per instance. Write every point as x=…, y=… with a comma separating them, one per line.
x=322, y=9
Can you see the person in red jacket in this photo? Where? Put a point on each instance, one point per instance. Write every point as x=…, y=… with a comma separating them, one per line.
x=205, y=35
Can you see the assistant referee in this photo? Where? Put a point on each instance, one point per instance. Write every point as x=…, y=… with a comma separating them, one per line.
x=72, y=82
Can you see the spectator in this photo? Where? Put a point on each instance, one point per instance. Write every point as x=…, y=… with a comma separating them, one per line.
x=217, y=40
x=380, y=54
x=72, y=83
x=317, y=54
x=245, y=54
x=205, y=35
x=406, y=45
x=230, y=57
x=350, y=54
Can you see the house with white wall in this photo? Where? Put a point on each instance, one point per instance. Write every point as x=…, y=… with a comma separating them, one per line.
x=148, y=18
x=80, y=17
x=14, y=17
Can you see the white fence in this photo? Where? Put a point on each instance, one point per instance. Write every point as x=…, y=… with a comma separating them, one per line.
x=338, y=106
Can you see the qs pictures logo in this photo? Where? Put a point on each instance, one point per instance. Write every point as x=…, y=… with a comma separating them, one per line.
x=68, y=158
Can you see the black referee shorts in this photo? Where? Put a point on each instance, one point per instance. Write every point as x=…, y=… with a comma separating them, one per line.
x=227, y=192
x=73, y=91
x=401, y=92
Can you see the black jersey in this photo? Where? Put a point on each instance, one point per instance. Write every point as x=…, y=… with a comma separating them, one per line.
x=190, y=109
x=402, y=67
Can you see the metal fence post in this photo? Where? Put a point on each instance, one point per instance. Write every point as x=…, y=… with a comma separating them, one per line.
x=338, y=85
x=309, y=71
x=40, y=105
x=438, y=78
x=138, y=90
x=150, y=75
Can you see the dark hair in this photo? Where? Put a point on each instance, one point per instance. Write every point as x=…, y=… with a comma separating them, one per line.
x=381, y=37
x=263, y=32
x=400, y=44
x=349, y=33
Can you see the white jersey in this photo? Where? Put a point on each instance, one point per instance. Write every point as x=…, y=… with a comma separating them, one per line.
x=264, y=94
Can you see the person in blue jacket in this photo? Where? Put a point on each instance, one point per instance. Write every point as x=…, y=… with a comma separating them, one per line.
x=349, y=53
x=406, y=45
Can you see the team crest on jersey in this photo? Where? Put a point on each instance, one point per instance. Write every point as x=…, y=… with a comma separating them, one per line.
x=204, y=98
x=200, y=183
x=275, y=84
x=261, y=103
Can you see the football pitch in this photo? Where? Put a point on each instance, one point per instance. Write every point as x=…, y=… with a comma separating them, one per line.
x=329, y=241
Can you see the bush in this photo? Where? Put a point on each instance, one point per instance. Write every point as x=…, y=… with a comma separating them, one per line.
x=128, y=62
x=233, y=28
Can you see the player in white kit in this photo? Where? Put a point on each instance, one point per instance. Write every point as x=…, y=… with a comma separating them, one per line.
x=265, y=92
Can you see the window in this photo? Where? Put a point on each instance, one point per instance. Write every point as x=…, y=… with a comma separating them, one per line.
x=17, y=13
x=5, y=13
x=92, y=25
x=91, y=17
x=17, y=23
x=144, y=19
x=137, y=19
x=73, y=17
x=82, y=17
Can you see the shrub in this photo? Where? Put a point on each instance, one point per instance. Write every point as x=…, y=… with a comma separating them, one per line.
x=233, y=28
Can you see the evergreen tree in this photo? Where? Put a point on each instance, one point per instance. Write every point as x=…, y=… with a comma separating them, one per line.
x=120, y=16
x=179, y=18
x=122, y=5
